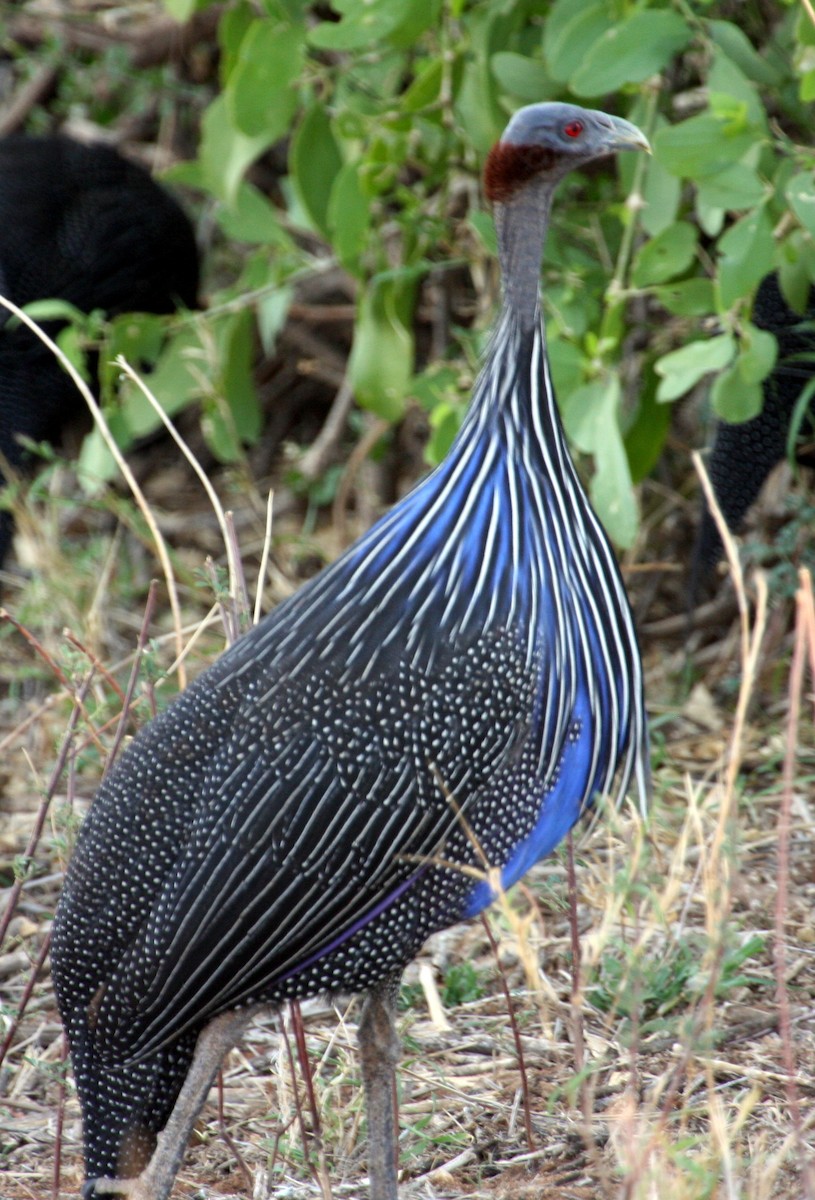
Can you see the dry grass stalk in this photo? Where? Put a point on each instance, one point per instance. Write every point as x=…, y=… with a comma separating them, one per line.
x=121, y=462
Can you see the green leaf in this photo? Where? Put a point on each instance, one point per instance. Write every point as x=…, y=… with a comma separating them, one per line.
x=349, y=218
x=682, y=369
x=725, y=79
x=688, y=298
x=445, y=422
x=734, y=399
x=420, y=15
x=272, y=310
x=426, y=87
x=645, y=439
x=175, y=382
x=381, y=362
x=230, y=411
x=701, y=146
x=710, y=216
x=476, y=107
x=667, y=255
x=261, y=94
x=253, y=218
x=138, y=337
x=362, y=24
x=569, y=34
x=630, y=51
x=182, y=10
x=314, y=163
x=526, y=78
x=72, y=344
x=592, y=422
x=53, y=310
x=661, y=194
x=232, y=29
x=757, y=355
x=738, y=48
x=95, y=465
x=734, y=188
x=747, y=254
x=225, y=152
x=801, y=195
x=792, y=272
x=565, y=362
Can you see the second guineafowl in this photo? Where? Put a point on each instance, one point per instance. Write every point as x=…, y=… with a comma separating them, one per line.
x=83, y=224
x=743, y=455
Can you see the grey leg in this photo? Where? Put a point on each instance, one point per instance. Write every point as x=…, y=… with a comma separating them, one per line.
x=156, y=1180
x=379, y=1053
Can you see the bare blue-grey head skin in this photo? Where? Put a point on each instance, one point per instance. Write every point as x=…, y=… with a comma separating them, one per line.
x=540, y=145
x=546, y=124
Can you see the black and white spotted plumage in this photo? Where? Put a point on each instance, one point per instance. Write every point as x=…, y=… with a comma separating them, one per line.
x=742, y=456
x=451, y=694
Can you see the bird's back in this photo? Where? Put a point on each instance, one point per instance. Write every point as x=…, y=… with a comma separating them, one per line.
x=82, y=223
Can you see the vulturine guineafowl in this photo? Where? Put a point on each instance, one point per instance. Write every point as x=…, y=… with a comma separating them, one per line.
x=77, y=223
x=743, y=455
x=455, y=690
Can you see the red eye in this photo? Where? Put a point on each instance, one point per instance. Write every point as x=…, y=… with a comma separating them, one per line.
x=573, y=129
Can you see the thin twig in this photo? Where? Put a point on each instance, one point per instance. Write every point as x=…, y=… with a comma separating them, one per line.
x=57, y=671
x=574, y=940
x=212, y=495
x=516, y=1036
x=60, y=1121
x=42, y=811
x=134, y=674
x=94, y=660
x=122, y=464
x=26, y=996
x=796, y=684
x=229, y=1140
x=264, y=558
x=301, y=1121
x=363, y=448
x=316, y=458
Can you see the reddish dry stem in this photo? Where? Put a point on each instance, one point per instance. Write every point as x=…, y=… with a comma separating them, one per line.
x=127, y=698
x=229, y=1140
x=516, y=1037
x=94, y=662
x=42, y=812
x=305, y=1065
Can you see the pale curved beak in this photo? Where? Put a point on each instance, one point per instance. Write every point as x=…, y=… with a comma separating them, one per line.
x=625, y=136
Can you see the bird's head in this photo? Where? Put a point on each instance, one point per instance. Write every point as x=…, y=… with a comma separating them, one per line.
x=545, y=141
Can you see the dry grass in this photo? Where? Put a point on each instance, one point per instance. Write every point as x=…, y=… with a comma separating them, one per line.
x=675, y=1058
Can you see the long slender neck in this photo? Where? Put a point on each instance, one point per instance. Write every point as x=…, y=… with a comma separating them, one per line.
x=521, y=223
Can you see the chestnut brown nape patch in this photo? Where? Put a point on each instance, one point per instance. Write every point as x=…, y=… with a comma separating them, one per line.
x=509, y=167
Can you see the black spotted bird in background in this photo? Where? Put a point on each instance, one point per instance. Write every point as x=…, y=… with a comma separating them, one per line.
x=743, y=455
x=78, y=223
x=456, y=689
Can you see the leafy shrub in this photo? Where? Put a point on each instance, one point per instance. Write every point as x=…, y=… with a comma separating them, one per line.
x=387, y=108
